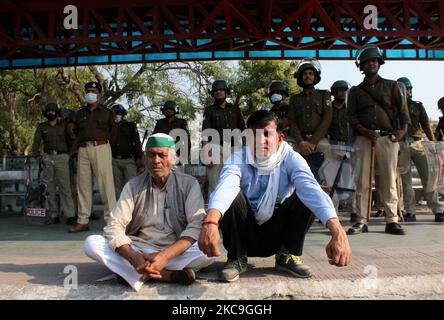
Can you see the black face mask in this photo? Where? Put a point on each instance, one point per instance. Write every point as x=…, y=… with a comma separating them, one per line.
x=51, y=117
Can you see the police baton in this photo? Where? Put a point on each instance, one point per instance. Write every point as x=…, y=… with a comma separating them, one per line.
x=145, y=135
x=370, y=179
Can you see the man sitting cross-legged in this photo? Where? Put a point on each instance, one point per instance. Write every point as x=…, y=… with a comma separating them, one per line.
x=153, y=229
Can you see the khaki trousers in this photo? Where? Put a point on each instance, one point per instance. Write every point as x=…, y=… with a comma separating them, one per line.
x=123, y=170
x=95, y=160
x=56, y=174
x=386, y=161
x=416, y=153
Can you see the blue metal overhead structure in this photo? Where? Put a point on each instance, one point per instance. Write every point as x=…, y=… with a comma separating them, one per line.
x=32, y=33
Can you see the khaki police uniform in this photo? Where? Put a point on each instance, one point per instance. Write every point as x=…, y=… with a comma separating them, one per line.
x=55, y=166
x=127, y=153
x=362, y=109
x=341, y=138
x=310, y=116
x=415, y=152
x=220, y=117
x=95, y=129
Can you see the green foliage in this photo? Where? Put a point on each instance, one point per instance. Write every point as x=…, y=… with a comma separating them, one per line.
x=254, y=78
x=141, y=88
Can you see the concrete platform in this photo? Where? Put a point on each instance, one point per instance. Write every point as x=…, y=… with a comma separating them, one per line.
x=33, y=260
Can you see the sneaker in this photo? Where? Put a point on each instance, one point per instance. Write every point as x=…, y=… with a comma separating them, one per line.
x=439, y=217
x=410, y=217
x=394, y=228
x=292, y=264
x=232, y=269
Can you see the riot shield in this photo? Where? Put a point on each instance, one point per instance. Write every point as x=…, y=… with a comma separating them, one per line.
x=434, y=152
x=337, y=171
x=35, y=211
x=404, y=159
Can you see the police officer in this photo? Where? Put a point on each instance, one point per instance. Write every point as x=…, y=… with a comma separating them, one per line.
x=55, y=163
x=310, y=114
x=126, y=149
x=378, y=112
x=70, y=116
x=341, y=134
x=165, y=125
x=439, y=131
x=95, y=128
x=219, y=116
x=420, y=124
x=278, y=93
x=339, y=130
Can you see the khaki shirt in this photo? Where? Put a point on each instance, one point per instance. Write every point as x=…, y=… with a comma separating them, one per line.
x=127, y=141
x=362, y=109
x=310, y=113
x=340, y=129
x=53, y=137
x=97, y=124
x=218, y=118
x=419, y=119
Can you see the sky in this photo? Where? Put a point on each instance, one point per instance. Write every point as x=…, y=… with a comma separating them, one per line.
x=427, y=78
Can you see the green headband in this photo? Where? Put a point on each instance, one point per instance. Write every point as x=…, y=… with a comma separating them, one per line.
x=156, y=141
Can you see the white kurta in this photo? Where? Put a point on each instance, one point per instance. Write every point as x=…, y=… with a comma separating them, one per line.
x=154, y=236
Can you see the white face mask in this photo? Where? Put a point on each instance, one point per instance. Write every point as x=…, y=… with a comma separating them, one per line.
x=118, y=118
x=275, y=97
x=91, y=97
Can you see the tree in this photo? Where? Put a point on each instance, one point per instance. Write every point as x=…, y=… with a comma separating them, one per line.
x=254, y=78
x=142, y=87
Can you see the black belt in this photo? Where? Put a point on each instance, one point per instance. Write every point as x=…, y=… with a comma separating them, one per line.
x=416, y=138
x=122, y=157
x=381, y=133
x=54, y=152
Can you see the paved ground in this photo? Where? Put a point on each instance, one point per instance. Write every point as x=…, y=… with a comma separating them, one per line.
x=33, y=260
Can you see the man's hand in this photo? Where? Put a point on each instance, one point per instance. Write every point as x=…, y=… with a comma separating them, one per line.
x=158, y=262
x=209, y=238
x=338, y=249
x=138, y=261
x=369, y=134
x=306, y=148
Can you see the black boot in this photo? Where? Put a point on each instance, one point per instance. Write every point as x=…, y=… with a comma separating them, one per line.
x=439, y=217
x=394, y=228
x=410, y=217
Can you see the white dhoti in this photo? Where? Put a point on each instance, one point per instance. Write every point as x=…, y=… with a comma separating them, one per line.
x=96, y=247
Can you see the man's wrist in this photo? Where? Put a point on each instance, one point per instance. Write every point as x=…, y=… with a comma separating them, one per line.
x=335, y=227
x=213, y=215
